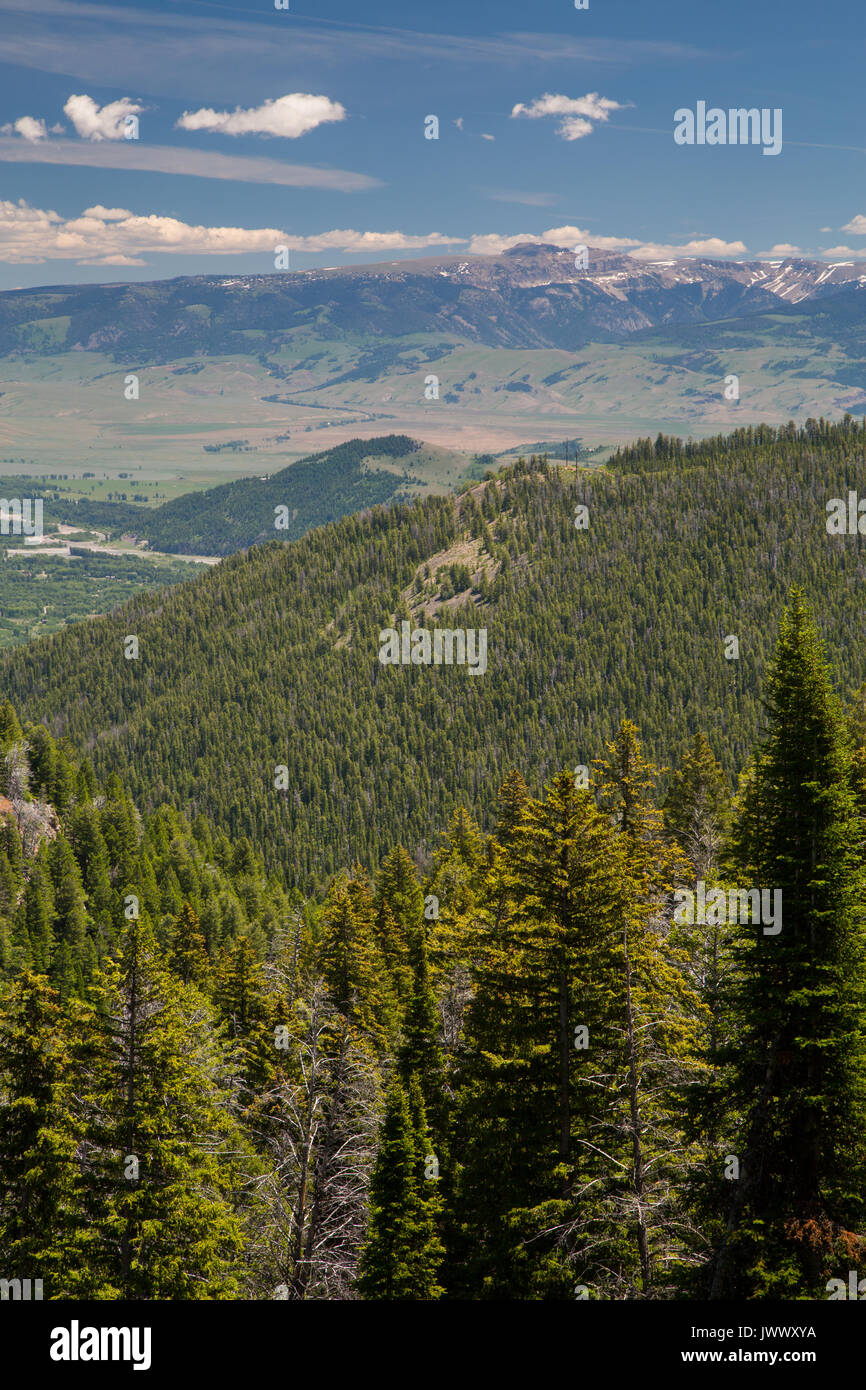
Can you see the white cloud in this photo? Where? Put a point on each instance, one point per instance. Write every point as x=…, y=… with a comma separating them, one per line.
x=459, y=123
x=575, y=127
x=712, y=248
x=857, y=225
x=491, y=243
x=289, y=117
x=825, y=229
x=94, y=122
x=355, y=242
x=114, y=236
x=574, y=236
x=577, y=113
x=107, y=214
x=28, y=127
x=592, y=105
x=784, y=248
x=113, y=260
x=485, y=136
x=841, y=253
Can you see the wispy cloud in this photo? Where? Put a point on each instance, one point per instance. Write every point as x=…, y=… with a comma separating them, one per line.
x=151, y=49
x=531, y=200
x=167, y=159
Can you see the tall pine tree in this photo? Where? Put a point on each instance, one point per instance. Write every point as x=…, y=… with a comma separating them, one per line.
x=796, y=1063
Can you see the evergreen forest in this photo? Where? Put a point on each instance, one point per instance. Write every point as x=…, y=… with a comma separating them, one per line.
x=324, y=979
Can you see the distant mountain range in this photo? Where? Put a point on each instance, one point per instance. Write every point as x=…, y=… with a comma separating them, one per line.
x=532, y=296
x=468, y=353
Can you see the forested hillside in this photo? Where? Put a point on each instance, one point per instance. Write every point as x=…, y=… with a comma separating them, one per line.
x=322, y=488
x=218, y=521
x=258, y=696
x=533, y=1073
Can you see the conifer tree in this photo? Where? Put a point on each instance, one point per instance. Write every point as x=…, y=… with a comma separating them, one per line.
x=581, y=1031
x=41, y=755
x=796, y=1063
x=432, y=1189
x=10, y=729
x=167, y=1162
x=10, y=841
x=400, y=907
x=545, y=965
x=187, y=954
x=246, y=1010
x=91, y=852
x=661, y=1022
x=420, y=1052
x=454, y=889
x=697, y=805
x=349, y=958
x=626, y=790
x=44, y=1233
x=513, y=798
x=36, y=915
x=70, y=919
x=402, y=1253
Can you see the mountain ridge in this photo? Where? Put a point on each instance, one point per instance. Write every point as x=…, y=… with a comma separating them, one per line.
x=535, y=296
x=279, y=645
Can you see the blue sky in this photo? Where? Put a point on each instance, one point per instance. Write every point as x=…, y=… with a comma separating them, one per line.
x=305, y=127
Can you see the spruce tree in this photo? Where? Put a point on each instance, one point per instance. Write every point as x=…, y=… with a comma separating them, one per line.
x=697, y=805
x=10, y=729
x=187, y=954
x=545, y=965
x=70, y=920
x=400, y=906
x=168, y=1159
x=796, y=1064
x=36, y=916
x=420, y=1051
x=44, y=1233
x=401, y=1256
x=248, y=1018
x=350, y=960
